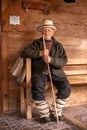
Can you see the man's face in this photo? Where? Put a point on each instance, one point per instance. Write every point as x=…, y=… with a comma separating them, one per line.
x=48, y=33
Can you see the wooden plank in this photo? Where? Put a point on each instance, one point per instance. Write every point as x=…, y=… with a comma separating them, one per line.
x=73, y=41
x=4, y=4
x=0, y=59
x=75, y=122
x=77, y=61
x=75, y=69
x=78, y=79
x=22, y=100
x=5, y=71
x=28, y=89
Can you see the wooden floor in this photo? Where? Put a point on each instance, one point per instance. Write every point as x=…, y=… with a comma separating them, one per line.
x=13, y=120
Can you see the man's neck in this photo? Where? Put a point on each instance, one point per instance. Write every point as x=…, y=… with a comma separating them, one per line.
x=48, y=40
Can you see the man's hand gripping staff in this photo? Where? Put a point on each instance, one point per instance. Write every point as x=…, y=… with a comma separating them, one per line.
x=45, y=55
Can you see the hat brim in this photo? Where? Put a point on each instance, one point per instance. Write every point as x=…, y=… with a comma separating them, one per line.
x=40, y=28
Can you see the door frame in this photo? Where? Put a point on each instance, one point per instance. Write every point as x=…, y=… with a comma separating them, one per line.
x=1, y=102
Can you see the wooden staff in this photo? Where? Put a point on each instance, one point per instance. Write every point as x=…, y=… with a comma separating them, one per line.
x=51, y=83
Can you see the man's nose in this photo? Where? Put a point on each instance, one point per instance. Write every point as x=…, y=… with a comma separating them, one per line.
x=47, y=31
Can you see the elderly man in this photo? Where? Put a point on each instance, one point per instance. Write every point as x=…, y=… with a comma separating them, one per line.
x=54, y=55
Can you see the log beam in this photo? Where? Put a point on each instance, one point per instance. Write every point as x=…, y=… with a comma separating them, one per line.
x=75, y=122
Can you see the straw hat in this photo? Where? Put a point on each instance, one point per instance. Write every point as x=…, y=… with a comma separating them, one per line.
x=47, y=24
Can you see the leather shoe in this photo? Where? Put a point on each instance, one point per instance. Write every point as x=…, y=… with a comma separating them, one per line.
x=61, y=118
x=44, y=120
x=53, y=118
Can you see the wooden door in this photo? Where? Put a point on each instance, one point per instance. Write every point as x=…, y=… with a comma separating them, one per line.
x=0, y=62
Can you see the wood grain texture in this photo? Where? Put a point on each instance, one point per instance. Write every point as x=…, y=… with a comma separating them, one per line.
x=72, y=33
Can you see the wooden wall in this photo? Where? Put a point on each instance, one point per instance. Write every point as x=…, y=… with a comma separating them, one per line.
x=0, y=61
x=72, y=32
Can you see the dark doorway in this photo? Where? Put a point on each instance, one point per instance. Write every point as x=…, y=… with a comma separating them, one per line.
x=69, y=1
